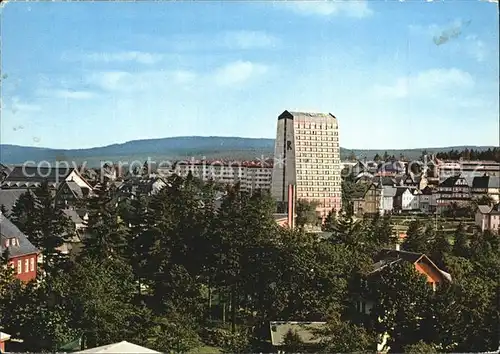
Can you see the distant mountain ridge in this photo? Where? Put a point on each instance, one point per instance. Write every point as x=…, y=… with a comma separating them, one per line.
x=184, y=147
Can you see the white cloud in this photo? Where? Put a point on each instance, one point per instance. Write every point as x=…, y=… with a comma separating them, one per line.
x=111, y=80
x=132, y=82
x=475, y=48
x=18, y=106
x=238, y=72
x=66, y=94
x=249, y=40
x=134, y=56
x=429, y=83
x=349, y=8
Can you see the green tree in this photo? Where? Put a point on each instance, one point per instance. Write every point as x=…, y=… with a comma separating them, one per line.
x=106, y=232
x=416, y=238
x=420, y=347
x=306, y=213
x=341, y=336
x=292, y=342
x=330, y=222
x=402, y=303
x=460, y=245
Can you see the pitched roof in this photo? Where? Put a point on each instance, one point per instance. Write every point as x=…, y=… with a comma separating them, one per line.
x=305, y=331
x=39, y=174
x=480, y=182
x=9, y=230
x=73, y=215
x=9, y=197
x=494, y=182
x=389, y=191
x=486, y=209
x=121, y=347
x=450, y=181
x=388, y=257
x=75, y=188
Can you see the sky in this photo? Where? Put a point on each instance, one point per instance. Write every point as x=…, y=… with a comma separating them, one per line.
x=407, y=74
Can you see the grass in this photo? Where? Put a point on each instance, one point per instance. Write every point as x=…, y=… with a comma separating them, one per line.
x=205, y=349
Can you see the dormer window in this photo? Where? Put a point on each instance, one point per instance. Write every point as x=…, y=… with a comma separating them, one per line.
x=11, y=242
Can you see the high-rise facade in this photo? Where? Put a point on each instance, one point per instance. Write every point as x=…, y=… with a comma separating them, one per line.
x=307, y=155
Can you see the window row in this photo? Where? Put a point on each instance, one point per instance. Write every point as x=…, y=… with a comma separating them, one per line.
x=316, y=131
x=305, y=138
x=29, y=265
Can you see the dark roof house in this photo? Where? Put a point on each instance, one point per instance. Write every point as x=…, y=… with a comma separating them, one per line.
x=8, y=231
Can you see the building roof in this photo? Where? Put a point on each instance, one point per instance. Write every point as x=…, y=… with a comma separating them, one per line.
x=39, y=174
x=9, y=197
x=494, y=182
x=121, y=347
x=480, y=182
x=388, y=257
x=384, y=180
x=295, y=114
x=487, y=209
x=9, y=230
x=389, y=191
x=73, y=215
x=450, y=181
x=75, y=188
x=305, y=331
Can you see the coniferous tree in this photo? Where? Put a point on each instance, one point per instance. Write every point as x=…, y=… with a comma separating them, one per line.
x=105, y=229
x=54, y=228
x=416, y=239
x=460, y=244
x=330, y=222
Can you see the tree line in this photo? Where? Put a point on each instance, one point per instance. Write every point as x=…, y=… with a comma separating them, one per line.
x=471, y=154
x=182, y=269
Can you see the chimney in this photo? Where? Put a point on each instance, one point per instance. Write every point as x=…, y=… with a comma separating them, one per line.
x=291, y=206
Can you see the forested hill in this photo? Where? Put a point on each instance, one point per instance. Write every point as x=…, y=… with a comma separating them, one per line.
x=189, y=146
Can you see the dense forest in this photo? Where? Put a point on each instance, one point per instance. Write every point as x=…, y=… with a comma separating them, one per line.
x=487, y=155
x=179, y=271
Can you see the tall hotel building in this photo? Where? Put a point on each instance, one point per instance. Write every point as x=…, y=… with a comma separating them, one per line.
x=307, y=156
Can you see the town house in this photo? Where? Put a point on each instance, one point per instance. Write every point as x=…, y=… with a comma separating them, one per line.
x=488, y=217
x=453, y=190
x=21, y=255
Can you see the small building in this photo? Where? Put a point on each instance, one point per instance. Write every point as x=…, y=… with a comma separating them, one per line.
x=70, y=193
x=427, y=200
x=488, y=217
x=486, y=186
x=306, y=332
x=387, y=258
x=21, y=254
x=28, y=176
x=406, y=199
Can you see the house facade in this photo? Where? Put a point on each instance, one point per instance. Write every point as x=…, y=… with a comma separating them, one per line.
x=372, y=200
x=486, y=186
x=488, y=218
x=21, y=255
x=453, y=190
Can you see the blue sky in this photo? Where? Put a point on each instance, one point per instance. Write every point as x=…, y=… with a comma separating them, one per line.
x=396, y=74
